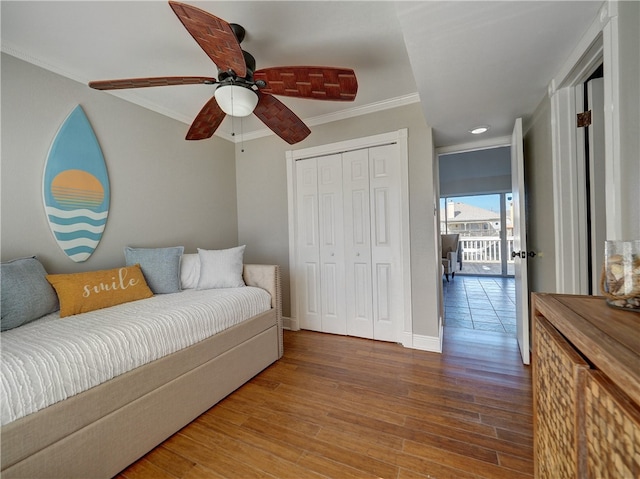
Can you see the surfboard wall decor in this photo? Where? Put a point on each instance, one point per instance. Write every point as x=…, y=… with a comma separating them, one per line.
x=76, y=188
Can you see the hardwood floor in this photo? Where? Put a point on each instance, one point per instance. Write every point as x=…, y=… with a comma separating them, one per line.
x=344, y=407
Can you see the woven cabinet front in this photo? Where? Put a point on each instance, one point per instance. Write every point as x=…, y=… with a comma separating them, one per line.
x=558, y=370
x=612, y=423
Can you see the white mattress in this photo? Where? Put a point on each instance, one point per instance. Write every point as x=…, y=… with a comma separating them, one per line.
x=54, y=358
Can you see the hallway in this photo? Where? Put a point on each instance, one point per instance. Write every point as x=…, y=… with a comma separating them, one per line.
x=481, y=303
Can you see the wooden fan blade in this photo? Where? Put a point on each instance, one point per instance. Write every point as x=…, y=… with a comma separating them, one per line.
x=214, y=36
x=282, y=121
x=320, y=83
x=149, y=82
x=207, y=121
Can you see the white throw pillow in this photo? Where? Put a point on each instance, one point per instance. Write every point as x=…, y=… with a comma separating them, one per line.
x=221, y=268
x=190, y=270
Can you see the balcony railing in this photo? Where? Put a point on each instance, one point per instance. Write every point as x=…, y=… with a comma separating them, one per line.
x=482, y=255
x=484, y=249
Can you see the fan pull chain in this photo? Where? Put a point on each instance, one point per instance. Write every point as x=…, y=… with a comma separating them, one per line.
x=241, y=136
x=233, y=125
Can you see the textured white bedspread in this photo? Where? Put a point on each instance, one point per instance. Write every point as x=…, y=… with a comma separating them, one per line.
x=53, y=358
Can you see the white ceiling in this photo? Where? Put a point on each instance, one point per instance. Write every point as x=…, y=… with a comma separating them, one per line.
x=468, y=63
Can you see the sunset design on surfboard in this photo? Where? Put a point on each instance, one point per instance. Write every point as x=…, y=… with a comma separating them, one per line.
x=76, y=188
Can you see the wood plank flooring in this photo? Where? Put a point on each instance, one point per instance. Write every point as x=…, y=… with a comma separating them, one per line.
x=341, y=407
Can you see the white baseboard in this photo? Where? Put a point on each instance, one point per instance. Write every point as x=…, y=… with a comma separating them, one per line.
x=412, y=341
x=291, y=324
x=423, y=343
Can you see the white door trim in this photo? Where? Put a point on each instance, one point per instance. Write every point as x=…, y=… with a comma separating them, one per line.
x=487, y=144
x=598, y=44
x=399, y=137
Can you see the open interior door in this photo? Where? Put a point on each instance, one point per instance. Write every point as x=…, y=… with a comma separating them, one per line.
x=596, y=183
x=520, y=255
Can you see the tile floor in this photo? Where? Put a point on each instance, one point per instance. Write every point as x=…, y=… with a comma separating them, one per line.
x=477, y=302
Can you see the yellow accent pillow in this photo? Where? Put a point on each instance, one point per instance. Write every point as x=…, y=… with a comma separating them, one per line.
x=83, y=292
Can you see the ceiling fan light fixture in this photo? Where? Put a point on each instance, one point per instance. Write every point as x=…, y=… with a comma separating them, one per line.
x=478, y=130
x=236, y=100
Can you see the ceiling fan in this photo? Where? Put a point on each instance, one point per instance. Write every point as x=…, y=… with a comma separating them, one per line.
x=240, y=88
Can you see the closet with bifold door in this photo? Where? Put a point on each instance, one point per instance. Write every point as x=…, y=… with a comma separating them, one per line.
x=349, y=258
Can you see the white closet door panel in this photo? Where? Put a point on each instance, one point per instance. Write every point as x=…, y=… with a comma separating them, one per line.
x=309, y=230
x=381, y=234
x=359, y=224
x=383, y=293
x=349, y=242
x=311, y=288
x=331, y=244
x=357, y=243
x=362, y=294
x=329, y=210
x=307, y=273
x=386, y=241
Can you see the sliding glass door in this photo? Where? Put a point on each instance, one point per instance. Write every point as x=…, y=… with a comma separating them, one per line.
x=485, y=225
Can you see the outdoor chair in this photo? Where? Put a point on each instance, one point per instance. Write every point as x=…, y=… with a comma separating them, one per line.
x=451, y=253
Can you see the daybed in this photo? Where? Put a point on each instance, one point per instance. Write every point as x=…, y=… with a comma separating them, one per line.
x=99, y=432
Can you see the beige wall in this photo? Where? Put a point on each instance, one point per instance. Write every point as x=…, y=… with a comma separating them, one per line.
x=539, y=192
x=165, y=191
x=262, y=200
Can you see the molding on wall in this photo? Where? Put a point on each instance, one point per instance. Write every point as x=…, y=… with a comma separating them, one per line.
x=126, y=95
x=130, y=96
x=475, y=145
x=344, y=114
x=585, y=56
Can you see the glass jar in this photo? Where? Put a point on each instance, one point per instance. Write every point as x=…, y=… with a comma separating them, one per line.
x=621, y=274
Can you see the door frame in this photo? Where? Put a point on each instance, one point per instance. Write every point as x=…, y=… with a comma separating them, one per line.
x=405, y=330
x=504, y=263
x=598, y=45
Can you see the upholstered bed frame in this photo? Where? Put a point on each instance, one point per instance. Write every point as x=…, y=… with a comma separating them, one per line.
x=101, y=431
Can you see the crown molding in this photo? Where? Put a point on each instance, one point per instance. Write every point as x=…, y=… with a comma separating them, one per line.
x=343, y=114
x=131, y=97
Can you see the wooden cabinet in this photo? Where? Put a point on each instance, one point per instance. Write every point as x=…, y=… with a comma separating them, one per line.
x=586, y=373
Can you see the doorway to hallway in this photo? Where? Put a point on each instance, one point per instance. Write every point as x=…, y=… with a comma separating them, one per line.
x=485, y=225
x=495, y=169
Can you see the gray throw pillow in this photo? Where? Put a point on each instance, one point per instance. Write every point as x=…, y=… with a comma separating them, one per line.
x=160, y=267
x=26, y=293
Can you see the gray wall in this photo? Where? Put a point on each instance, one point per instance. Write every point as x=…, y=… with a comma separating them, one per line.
x=538, y=156
x=165, y=191
x=629, y=57
x=262, y=200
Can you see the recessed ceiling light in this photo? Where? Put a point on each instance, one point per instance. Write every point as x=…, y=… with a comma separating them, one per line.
x=479, y=129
